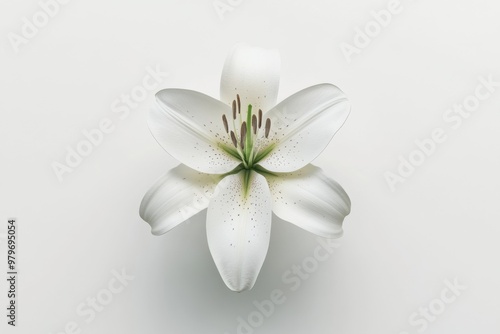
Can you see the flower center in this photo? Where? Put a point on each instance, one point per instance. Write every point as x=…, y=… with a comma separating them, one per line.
x=244, y=132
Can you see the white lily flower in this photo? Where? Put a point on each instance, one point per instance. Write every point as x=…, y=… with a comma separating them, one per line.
x=245, y=157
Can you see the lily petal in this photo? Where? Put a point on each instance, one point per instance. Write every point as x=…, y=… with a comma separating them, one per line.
x=175, y=197
x=239, y=228
x=303, y=125
x=254, y=74
x=188, y=125
x=311, y=200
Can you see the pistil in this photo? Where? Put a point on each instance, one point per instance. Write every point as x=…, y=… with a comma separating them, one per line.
x=244, y=134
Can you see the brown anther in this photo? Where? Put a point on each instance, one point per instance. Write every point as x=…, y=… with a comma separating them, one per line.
x=260, y=118
x=254, y=124
x=224, y=120
x=243, y=135
x=239, y=103
x=234, y=109
x=233, y=138
x=268, y=127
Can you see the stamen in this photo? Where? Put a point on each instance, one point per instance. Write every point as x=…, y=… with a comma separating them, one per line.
x=268, y=127
x=243, y=134
x=224, y=120
x=248, y=140
x=233, y=138
x=234, y=109
x=254, y=124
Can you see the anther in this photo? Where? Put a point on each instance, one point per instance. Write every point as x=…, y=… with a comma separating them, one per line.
x=268, y=127
x=233, y=138
x=224, y=120
x=234, y=109
x=254, y=124
x=243, y=134
x=260, y=118
x=239, y=103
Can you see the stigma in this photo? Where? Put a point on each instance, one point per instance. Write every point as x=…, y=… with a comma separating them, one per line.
x=244, y=131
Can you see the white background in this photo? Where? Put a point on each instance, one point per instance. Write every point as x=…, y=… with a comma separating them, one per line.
x=399, y=246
